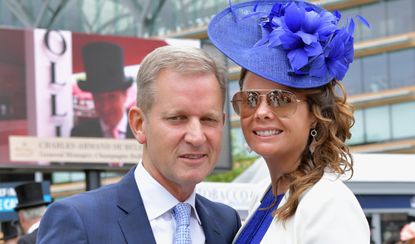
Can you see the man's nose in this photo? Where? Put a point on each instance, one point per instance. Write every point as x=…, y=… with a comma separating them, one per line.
x=194, y=133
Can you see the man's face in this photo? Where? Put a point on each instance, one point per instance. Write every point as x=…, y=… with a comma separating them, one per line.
x=182, y=130
x=110, y=106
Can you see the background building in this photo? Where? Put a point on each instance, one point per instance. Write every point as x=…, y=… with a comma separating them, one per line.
x=380, y=82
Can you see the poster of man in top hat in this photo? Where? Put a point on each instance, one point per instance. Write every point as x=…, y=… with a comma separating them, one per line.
x=105, y=79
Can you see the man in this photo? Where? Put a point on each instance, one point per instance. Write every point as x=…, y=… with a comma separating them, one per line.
x=105, y=79
x=10, y=234
x=30, y=209
x=179, y=120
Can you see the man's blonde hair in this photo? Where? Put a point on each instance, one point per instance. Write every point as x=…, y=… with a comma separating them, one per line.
x=183, y=60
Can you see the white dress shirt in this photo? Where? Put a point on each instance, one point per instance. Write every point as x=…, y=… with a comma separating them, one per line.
x=33, y=227
x=158, y=203
x=121, y=126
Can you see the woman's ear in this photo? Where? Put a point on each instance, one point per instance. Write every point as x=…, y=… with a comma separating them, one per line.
x=136, y=120
x=313, y=120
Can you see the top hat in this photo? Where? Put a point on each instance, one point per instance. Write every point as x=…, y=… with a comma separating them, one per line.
x=293, y=43
x=9, y=230
x=104, y=67
x=29, y=195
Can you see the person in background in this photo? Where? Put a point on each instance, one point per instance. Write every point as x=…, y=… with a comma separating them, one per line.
x=293, y=112
x=179, y=121
x=10, y=232
x=105, y=79
x=408, y=234
x=30, y=208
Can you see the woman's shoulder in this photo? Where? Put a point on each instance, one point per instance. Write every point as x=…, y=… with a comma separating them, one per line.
x=329, y=189
x=331, y=201
x=331, y=181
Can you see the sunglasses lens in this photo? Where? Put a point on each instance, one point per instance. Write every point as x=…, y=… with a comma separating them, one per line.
x=236, y=103
x=283, y=103
x=245, y=103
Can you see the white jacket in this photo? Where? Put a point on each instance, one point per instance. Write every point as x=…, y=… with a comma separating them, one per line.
x=328, y=213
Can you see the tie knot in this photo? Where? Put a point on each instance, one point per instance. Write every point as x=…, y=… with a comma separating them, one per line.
x=181, y=213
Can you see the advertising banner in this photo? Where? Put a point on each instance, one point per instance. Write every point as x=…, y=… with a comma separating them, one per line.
x=48, y=80
x=58, y=84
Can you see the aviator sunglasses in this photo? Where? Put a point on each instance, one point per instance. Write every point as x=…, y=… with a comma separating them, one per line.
x=282, y=103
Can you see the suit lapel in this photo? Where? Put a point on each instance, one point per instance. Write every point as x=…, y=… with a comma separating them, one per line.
x=209, y=224
x=95, y=130
x=134, y=224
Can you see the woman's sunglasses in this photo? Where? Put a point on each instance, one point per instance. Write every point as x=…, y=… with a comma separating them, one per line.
x=282, y=103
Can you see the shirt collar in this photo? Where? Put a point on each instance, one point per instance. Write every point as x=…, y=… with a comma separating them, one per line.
x=33, y=227
x=150, y=189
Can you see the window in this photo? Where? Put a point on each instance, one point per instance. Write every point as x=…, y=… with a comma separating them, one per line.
x=402, y=68
x=377, y=124
x=375, y=76
x=375, y=14
x=403, y=120
x=351, y=13
x=358, y=129
x=399, y=16
x=353, y=79
x=67, y=177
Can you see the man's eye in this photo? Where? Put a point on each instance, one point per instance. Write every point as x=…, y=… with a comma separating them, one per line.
x=210, y=119
x=176, y=118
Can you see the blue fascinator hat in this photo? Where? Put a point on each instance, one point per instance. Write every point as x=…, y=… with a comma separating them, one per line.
x=293, y=43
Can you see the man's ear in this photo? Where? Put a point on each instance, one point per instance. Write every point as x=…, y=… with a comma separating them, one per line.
x=21, y=217
x=136, y=120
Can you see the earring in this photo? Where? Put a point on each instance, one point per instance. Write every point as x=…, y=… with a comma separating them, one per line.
x=313, y=133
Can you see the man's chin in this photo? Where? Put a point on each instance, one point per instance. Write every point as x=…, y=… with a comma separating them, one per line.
x=196, y=178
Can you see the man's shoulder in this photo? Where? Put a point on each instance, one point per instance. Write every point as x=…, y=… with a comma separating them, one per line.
x=219, y=216
x=86, y=200
x=28, y=238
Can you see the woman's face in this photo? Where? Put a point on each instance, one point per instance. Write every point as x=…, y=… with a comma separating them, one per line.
x=271, y=135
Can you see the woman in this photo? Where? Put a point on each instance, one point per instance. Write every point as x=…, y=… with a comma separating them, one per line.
x=294, y=114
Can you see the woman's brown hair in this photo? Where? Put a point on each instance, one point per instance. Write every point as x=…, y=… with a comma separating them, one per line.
x=328, y=150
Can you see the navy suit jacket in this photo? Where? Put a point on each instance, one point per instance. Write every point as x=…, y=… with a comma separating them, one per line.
x=28, y=238
x=116, y=214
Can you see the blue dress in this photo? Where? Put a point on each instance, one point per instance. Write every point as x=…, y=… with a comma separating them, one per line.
x=255, y=229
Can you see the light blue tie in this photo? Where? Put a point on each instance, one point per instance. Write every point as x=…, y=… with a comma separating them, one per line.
x=181, y=213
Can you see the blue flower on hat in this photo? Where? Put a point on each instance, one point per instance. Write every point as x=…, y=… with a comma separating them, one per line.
x=314, y=43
